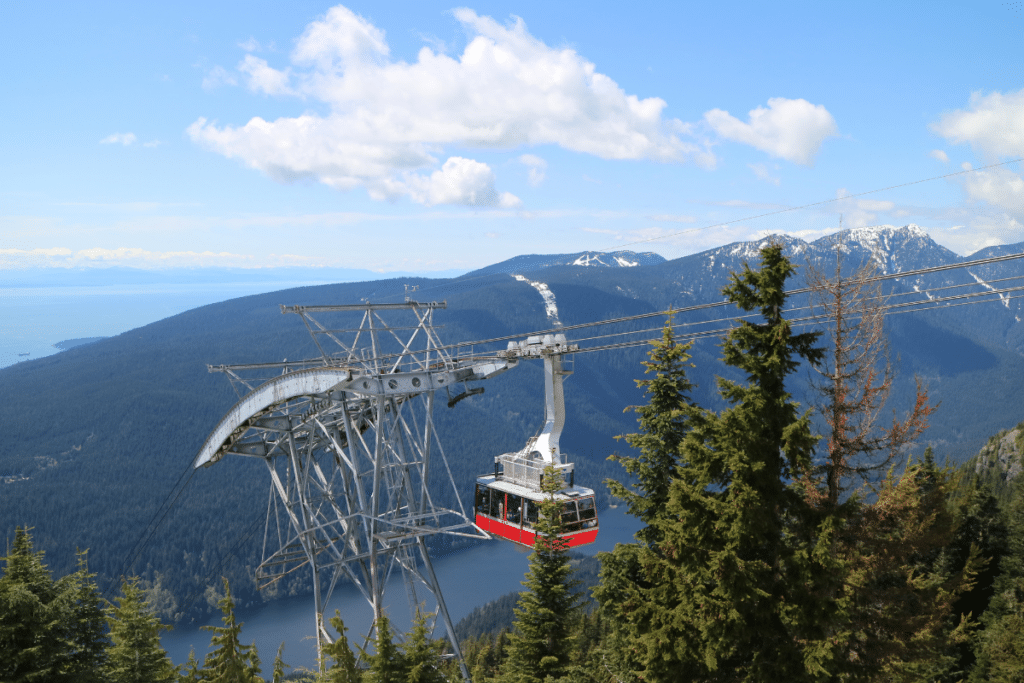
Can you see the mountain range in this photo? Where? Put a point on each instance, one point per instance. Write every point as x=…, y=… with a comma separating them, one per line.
x=97, y=436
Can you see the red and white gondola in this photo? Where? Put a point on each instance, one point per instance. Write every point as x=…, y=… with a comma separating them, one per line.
x=507, y=502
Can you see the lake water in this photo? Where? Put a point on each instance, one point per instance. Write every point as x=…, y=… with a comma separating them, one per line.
x=468, y=579
x=36, y=318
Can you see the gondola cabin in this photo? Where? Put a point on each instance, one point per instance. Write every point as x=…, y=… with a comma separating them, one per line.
x=510, y=510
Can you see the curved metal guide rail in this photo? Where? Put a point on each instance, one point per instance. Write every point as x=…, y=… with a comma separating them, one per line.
x=357, y=471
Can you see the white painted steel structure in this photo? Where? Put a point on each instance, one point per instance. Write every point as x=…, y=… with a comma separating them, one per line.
x=350, y=444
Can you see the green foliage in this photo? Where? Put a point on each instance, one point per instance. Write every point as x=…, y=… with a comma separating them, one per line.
x=136, y=655
x=229, y=661
x=664, y=421
x=387, y=663
x=1000, y=646
x=727, y=590
x=421, y=653
x=343, y=667
x=83, y=628
x=542, y=636
x=30, y=615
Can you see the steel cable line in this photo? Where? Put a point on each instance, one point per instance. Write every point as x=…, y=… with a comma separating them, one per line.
x=641, y=316
x=884, y=297
x=908, y=307
x=150, y=529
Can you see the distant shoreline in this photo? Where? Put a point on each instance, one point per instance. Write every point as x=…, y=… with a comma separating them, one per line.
x=71, y=343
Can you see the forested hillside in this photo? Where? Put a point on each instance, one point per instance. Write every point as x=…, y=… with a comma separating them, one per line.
x=764, y=553
x=97, y=436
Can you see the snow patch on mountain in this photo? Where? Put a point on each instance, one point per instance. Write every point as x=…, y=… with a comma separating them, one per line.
x=550, y=307
x=1002, y=297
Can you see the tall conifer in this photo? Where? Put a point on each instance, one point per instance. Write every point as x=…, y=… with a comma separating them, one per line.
x=727, y=593
x=83, y=628
x=30, y=615
x=136, y=655
x=343, y=668
x=229, y=661
x=546, y=616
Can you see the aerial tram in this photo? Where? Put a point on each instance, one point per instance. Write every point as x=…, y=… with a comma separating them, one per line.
x=507, y=502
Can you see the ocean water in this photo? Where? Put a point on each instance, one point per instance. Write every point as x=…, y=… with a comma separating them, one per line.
x=468, y=578
x=33, y=319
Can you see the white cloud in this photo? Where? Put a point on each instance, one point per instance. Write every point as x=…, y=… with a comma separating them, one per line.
x=940, y=155
x=762, y=172
x=672, y=218
x=997, y=186
x=152, y=143
x=262, y=78
x=388, y=121
x=119, y=138
x=537, y=168
x=860, y=213
x=218, y=76
x=60, y=257
x=994, y=124
x=459, y=181
x=793, y=130
x=250, y=45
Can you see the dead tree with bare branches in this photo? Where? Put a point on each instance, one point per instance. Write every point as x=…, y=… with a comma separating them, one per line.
x=856, y=379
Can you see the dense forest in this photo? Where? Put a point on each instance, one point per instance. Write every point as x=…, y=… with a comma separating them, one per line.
x=773, y=547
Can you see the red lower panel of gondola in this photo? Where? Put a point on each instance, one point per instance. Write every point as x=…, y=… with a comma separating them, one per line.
x=516, y=534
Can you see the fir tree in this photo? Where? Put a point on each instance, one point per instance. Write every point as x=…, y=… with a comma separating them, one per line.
x=83, y=628
x=31, y=617
x=229, y=661
x=136, y=655
x=190, y=672
x=664, y=421
x=728, y=592
x=386, y=664
x=901, y=621
x=422, y=654
x=343, y=668
x=279, y=665
x=1000, y=646
x=542, y=636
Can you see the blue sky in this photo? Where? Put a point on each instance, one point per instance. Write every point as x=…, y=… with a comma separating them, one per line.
x=421, y=136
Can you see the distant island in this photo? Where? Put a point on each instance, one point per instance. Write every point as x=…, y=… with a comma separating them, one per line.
x=71, y=343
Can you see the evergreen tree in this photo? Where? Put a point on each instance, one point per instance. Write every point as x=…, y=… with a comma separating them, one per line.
x=31, y=617
x=83, y=628
x=422, y=653
x=542, y=636
x=1000, y=646
x=229, y=661
x=136, y=655
x=729, y=592
x=664, y=421
x=386, y=664
x=279, y=665
x=901, y=621
x=343, y=669
x=190, y=672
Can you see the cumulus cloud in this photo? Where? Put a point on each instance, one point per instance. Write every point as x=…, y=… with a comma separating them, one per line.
x=793, y=130
x=386, y=122
x=537, y=168
x=119, y=138
x=992, y=125
x=940, y=155
x=262, y=78
x=997, y=186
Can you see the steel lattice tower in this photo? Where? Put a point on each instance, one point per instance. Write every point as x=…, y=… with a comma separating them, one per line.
x=350, y=443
